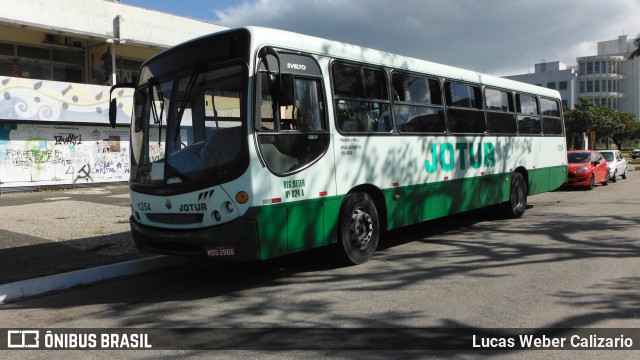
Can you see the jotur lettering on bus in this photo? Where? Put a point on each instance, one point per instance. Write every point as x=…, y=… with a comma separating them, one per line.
x=462, y=155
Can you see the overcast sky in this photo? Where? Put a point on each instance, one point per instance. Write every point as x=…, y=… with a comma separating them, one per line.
x=500, y=37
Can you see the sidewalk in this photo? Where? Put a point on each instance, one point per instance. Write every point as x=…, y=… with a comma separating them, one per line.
x=61, y=231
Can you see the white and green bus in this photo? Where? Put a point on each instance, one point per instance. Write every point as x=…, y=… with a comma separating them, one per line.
x=254, y=143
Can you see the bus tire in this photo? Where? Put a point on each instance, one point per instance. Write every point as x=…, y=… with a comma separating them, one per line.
x=359, y=229
x=517, y=204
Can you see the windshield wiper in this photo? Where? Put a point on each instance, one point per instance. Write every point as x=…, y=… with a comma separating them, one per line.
x=153, y=84
x=185, y=99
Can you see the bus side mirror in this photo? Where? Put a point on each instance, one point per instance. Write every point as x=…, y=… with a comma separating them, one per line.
x=113, y=112
x=113, y=104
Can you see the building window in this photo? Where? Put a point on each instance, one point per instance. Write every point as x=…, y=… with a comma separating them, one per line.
x=33, y=52
x=551, y=85
x=6, y=49
x=562, y=85
x=127, y=70
x=589, y=68
x=36, y=62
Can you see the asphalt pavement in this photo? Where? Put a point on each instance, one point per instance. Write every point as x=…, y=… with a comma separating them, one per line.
x=59, y=231
x=45, y=234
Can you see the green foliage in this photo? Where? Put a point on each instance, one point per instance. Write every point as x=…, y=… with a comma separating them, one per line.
x=636, y=52
x=606, y=123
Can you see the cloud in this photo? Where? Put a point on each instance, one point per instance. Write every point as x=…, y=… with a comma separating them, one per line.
x=493, y=36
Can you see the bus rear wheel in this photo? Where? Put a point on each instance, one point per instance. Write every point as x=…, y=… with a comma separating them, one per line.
x=517, y=204
x=359, y=229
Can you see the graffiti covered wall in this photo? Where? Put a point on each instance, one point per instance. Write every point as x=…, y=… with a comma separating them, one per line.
x=51, y=154
x=57, y=133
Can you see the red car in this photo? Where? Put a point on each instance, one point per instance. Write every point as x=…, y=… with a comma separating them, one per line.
x=586, y=168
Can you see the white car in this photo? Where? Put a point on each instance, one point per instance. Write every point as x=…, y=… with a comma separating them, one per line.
x=616, y=163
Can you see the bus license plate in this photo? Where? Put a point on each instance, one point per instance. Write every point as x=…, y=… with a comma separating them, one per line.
x=225, y=250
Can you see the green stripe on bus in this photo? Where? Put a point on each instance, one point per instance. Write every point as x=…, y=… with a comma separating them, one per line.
x=289, y=227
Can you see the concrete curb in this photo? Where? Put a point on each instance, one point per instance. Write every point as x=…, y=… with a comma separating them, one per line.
x=32, y=287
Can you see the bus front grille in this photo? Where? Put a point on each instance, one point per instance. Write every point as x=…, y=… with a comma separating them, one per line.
x=181, y=219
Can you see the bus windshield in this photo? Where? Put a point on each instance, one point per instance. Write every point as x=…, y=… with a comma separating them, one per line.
x=188, y=128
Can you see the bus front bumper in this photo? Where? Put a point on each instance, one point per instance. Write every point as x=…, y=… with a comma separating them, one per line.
x=234, y=241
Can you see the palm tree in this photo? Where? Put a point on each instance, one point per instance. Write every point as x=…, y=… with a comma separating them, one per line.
x=636, y=52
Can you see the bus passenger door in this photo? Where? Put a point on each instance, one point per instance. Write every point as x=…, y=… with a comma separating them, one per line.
x=307, y=200
x=295, y=146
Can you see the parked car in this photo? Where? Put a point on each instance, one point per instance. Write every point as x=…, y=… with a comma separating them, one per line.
x=635, y=153
x=616, y=163
x=586, y=168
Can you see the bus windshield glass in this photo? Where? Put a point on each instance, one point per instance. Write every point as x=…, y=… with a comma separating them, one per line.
x=188, y=128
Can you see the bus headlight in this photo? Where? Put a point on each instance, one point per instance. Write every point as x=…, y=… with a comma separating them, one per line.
x=229, y=206
x=216, y=215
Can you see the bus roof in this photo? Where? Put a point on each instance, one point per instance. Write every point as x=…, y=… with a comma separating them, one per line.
x=261, y=36
x=279, y=38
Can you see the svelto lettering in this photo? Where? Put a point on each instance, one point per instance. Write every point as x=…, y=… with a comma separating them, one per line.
x=296, y=66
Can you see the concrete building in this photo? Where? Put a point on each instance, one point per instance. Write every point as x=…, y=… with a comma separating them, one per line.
x=57, y=63
x=607, y=78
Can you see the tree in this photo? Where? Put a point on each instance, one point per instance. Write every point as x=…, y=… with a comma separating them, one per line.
x=629, y=128
x=636, y=52
x=605, y=122
x=580, y=120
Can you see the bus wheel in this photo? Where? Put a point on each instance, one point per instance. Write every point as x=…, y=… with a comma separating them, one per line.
x=517, y=204
x=359, y=229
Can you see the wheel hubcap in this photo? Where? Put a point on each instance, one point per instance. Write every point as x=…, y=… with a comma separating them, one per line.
x=361, y=228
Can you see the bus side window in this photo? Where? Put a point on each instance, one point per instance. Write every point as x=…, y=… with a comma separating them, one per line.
x=464, y=108
x=292, y=133
x=528, y=115
x=500, y=111
x=551, y=120
x=418, y=106
x=361, y=99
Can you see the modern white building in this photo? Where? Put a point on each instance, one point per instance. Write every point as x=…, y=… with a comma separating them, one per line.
x=57, y=63
x=608, y=78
